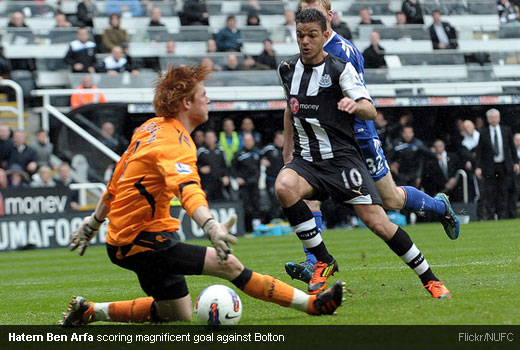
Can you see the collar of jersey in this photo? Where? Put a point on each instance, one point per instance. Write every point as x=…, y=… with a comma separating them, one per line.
x=332, y=35
x=313, y=65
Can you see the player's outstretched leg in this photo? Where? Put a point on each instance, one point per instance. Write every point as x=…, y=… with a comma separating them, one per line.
x=82, y=312
x=401, y=244
x=419, y=201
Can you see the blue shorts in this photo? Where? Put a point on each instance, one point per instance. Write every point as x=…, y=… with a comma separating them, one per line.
x=374, y=158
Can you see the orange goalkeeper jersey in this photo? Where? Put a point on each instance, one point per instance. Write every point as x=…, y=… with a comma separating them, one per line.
x=160, y=163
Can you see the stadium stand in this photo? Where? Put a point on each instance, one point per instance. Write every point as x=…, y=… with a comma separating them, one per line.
x=486, y=63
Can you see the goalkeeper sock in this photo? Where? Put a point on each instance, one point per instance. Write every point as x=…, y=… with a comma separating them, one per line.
x=402, y=245
x=268, y=288
x=135, y=311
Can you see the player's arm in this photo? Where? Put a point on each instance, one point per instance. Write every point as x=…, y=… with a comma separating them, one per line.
x=288, y=142
x=357, y=100
x=362, y=108
x=184, y=180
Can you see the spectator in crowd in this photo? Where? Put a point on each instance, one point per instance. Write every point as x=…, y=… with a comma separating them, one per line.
x=17, y=178
x=408, y=159
x=383, y=127
x=114, y=35
x=208, y=62
x=5, y=66
x=516, y=197
x=253, y=19
x=497, y=160
x=42, y=148
x=81, y=55
x=43, y=178
x=249, y=63
x=211, y=46
x=63, y=178
x=155, y=18
x=228, y=139
x=86, y=12
x=110, y=139
x=440, y=170
x=232, y=63
x=366, y=18
x=479, y=123
x=248, y=127
x=268, y=56
x=442, y=34
x=61, y=20
x=400, y=18
x=213, y=170
x=340, y=27
x=507, y=12
x=290, y=26
x=171, y=47
x=413, y=12
x=375, y=53
x=77, y=99
x=245, y=168
x=6, y=144
x=117, y=63
x=194, y=12
x=157, y=30
x=198, y=138
x=272, y=160
x=17, y=20
x=395, y=130
x=229, y=38
x=22, y=154
x=124, y=7
x=470, y=135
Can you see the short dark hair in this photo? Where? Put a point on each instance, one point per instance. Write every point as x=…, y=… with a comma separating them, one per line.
x=312, y=16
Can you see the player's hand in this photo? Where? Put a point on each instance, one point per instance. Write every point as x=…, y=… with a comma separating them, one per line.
x=219, y=236
x=348, y=105
x=82, y=236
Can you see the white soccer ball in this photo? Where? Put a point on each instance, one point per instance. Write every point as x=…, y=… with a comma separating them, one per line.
x=218, y=305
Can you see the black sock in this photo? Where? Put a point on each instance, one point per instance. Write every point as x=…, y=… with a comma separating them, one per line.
x=402, y=245
x=302, y=220
x=242, y=279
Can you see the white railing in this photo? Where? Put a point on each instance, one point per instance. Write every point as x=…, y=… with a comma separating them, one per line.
x=461, y=174
x=18, y=110
x=96, y=188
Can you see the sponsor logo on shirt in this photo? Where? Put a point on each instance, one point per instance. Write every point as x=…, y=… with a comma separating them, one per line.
x=295, y=105
x=183, y=169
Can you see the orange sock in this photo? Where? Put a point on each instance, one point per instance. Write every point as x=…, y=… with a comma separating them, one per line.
x=138, y=310
x=268, y=288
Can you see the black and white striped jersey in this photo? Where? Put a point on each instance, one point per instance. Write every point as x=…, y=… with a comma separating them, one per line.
x=321, y=131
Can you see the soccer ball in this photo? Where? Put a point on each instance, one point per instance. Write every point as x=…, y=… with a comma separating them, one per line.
x=218, y=305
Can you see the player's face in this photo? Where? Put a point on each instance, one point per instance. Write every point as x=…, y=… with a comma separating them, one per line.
x=199, y=106
x=310, y=41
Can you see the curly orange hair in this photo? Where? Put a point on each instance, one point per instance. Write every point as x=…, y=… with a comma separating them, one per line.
x=176, y=84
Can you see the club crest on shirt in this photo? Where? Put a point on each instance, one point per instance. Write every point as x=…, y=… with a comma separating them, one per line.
x=295, y=105
x=183, y=169
x=325, y=81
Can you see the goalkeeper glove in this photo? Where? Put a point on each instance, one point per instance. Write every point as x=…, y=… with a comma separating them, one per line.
x=82, y=236
x=219, y=236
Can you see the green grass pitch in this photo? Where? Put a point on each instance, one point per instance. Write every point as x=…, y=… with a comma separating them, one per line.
x=481, y=269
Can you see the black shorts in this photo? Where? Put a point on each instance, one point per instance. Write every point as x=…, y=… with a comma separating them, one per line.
x=346, y=180
x=160, y=261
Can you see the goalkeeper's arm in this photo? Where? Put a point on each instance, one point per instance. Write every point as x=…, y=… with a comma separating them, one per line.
x=89, y=228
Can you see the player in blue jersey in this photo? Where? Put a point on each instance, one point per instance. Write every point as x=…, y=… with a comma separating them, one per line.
x=394, y=197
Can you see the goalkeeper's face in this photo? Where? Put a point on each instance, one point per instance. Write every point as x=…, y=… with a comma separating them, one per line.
x=199, y=105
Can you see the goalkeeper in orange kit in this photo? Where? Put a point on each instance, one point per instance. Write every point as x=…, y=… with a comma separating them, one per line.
x=160, y=163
